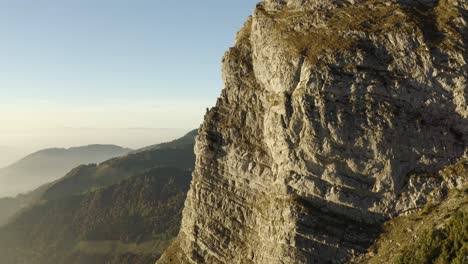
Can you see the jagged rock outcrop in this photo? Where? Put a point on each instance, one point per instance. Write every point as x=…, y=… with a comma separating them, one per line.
x=333, y=115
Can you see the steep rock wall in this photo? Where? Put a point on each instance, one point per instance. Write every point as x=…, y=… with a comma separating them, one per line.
x=333, y=115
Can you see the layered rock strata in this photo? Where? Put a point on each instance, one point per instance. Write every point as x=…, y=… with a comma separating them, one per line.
x=335, y=116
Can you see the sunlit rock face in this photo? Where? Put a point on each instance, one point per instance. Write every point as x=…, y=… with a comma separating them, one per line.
x=335, y=116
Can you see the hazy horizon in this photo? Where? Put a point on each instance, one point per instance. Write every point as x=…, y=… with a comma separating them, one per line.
x=109, y=72
x=39, y=139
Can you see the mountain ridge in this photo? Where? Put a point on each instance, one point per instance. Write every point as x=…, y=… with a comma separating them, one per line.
x=50, y=164
x=124, y=210
x=60, y=151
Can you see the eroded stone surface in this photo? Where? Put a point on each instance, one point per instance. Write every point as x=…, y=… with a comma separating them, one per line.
x=332, y=116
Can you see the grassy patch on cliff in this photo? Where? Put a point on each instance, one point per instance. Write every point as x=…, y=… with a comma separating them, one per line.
x=440, y=245
x=437, y=234
x=339, y=31
x=445, y=12
x=458, y=170
x=345, y=26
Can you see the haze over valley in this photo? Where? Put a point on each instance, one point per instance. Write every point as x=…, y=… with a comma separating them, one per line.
x=51, y=164
x=10, y=155
x=16, y=143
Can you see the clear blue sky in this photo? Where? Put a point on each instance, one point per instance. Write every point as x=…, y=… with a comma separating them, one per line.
x=113, y=63
x=103, y=49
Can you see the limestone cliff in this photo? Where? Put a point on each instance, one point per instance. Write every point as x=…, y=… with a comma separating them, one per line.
x=332, y=117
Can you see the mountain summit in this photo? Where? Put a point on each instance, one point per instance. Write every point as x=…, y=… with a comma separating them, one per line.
x=335, y=117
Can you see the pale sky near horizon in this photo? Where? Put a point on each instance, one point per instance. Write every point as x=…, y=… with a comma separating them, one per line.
x=110, y=65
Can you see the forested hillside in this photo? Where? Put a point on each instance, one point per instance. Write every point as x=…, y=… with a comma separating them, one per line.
x=125, y=210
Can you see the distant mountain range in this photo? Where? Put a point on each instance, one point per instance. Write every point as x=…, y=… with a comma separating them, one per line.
x=124, y=210
x=51, y=164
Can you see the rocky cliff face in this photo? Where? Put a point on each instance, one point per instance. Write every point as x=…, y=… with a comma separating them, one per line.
x=335, y=116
